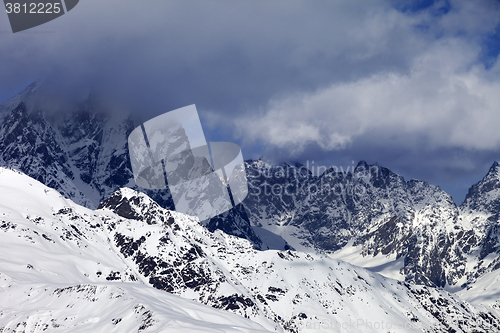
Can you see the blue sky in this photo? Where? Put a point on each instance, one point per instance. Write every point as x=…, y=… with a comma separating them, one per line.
x=410, y=85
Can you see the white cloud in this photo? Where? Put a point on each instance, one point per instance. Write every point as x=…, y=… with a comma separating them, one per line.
x=446, y=100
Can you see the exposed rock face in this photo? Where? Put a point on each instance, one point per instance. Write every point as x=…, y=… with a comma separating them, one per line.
x=378, y=213
x=481, y=212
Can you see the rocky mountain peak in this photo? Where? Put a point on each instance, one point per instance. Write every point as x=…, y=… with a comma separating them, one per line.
x=361, y=165
x=493, y=175
x=131, y=204
x=484, y=196
x=24, y=96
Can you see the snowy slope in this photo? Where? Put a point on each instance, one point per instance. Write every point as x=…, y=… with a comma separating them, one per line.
x=66, y=265
x=108, y=307
x=58, y=272
x=485, y=292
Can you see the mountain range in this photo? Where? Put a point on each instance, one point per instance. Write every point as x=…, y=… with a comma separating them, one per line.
x=372, y=217
x=312, y=226
x=66, y=268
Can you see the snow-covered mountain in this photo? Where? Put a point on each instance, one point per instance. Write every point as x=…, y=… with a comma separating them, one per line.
x=65, y=267
x=367, y=215
x=372, y=217
x=60, y=272
x=481, y=211
x=82, y=152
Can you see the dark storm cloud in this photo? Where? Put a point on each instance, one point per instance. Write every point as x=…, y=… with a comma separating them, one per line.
x=333, y=81
x=223, y=55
